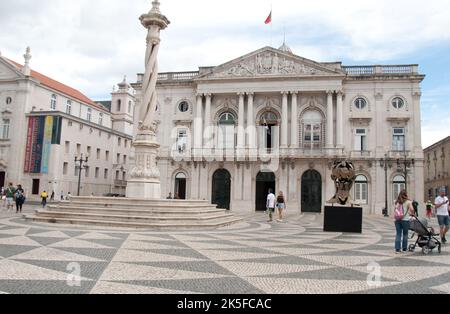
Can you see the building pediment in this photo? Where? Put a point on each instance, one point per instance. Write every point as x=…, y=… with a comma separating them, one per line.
x=270, y=62
x=8, y=71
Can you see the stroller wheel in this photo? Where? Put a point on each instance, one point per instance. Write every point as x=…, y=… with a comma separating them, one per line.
x=412, y=248
x=426, y=250
x=439, y=249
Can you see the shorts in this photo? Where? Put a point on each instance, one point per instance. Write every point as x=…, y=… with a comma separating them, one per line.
x=281, y=206
x=9, y=201
x=444, y=221
x=270, y=210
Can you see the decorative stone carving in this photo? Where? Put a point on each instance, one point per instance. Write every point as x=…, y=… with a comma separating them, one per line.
x=269, y=63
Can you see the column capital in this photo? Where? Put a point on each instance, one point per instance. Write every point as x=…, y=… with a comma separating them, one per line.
x=250, y=94
x=284, y=93
x=330, y=92
x=340, y=92
x=199, y=95
x=240, y=94
x=294, y=92
x=208, y=95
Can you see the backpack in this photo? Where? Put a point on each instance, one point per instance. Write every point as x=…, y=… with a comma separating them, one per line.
x=19, y=195
x=399, y=212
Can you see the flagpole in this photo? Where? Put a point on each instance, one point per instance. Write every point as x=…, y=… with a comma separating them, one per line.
x=271, y=24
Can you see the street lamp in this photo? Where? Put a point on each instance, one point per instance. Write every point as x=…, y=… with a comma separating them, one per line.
x=80, y=167
x=385, y=164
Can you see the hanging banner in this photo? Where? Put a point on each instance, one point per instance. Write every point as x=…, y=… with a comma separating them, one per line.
x=28, y=148
x=47, y=144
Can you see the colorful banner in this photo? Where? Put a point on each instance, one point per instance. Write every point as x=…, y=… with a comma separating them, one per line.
x=42, y=133
x=28, y=148
x=47, y=144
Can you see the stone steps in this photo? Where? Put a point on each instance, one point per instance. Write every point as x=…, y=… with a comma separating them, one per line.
x=154, y=212
x=204, y=225
x=135, y=213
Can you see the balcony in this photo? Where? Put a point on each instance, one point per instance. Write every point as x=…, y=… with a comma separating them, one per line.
x=360, y=154
x=177, y=76
x=120, y=183
x=411, y=69
x=399, y=154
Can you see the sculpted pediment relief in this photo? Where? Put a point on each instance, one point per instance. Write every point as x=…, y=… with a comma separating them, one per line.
x=270, y=62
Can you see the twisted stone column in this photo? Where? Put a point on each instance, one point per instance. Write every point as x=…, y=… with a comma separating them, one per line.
x=144, y=179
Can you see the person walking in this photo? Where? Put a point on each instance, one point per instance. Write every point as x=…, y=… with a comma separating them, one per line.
x=270, y=205
x=44, y=196
x=20, y=199
x=52, y=197
x=281, y=206
x=442, y=206
x=402, y=214
x=9, y=193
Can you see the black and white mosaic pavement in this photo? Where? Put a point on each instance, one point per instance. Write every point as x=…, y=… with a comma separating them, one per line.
x=250, y=257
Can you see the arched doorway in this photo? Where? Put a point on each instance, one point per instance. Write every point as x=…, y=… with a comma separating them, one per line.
x=180, y=186
x=221, y=189
x=2, y=178
x=311, y=192
x=264, y=182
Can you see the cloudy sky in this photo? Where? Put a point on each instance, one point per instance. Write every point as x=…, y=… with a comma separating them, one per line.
x=90, y=45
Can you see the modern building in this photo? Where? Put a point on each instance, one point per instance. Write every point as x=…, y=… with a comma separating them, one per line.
x=46, y=124
x=272, y=119
x=437, y=168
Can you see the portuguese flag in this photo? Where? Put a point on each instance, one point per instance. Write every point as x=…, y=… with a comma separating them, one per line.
x=269, y=18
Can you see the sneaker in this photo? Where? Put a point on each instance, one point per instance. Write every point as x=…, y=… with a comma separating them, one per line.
x=398, y=252
x=444, y=240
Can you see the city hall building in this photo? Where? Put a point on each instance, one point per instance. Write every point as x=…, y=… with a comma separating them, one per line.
x=272, y=119
x=269, y=119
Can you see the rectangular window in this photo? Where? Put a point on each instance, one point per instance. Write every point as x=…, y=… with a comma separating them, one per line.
x=312, y=136
x=361, y=140
x=124, y=159
x=86, y=171
x=124, y=176
x=105, y=174
x=69, y=107
x=5, y=129
x=98, y=153
x=77, y=168
x=107, y=155
x=53, y=103
x=118, y=159
x=126, y=143
x=119, y=141
x=65, y=168
x=78, y=149
x=117, y=174
x=182, y=140
x=398, y=139
x=100, y=119
x=97, y=172
x=89, y=150
x=67, y=147
x=361, y=193
x=89, y=114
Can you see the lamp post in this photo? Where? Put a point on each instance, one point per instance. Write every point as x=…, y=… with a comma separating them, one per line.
x=80, y=167
x=385, y=164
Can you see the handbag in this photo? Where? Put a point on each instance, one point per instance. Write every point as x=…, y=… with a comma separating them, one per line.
x=399, y=212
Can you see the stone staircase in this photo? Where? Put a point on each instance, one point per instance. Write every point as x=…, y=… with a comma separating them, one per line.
x=135, y=213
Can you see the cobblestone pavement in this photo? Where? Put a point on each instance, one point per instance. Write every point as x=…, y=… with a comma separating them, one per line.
x=250, y=257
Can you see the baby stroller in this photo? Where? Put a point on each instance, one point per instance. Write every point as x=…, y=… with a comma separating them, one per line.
x=426, y=237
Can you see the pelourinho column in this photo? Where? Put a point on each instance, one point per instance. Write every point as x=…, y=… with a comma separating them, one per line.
x=144, y=179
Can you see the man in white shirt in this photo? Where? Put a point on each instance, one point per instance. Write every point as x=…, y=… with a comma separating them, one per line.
x=442, y=206
x=270, y=204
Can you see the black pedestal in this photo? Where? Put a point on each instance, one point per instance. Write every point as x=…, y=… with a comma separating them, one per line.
x=343, y=219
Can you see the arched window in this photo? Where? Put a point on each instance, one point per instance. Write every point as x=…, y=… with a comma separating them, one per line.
x=312, y=127
x=119, y=105
x=226, y=137
x=399, y=184
x=398, y=103
x=53, y=102
x=361, y=190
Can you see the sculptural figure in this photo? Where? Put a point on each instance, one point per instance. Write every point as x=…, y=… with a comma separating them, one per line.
x=343, y=176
